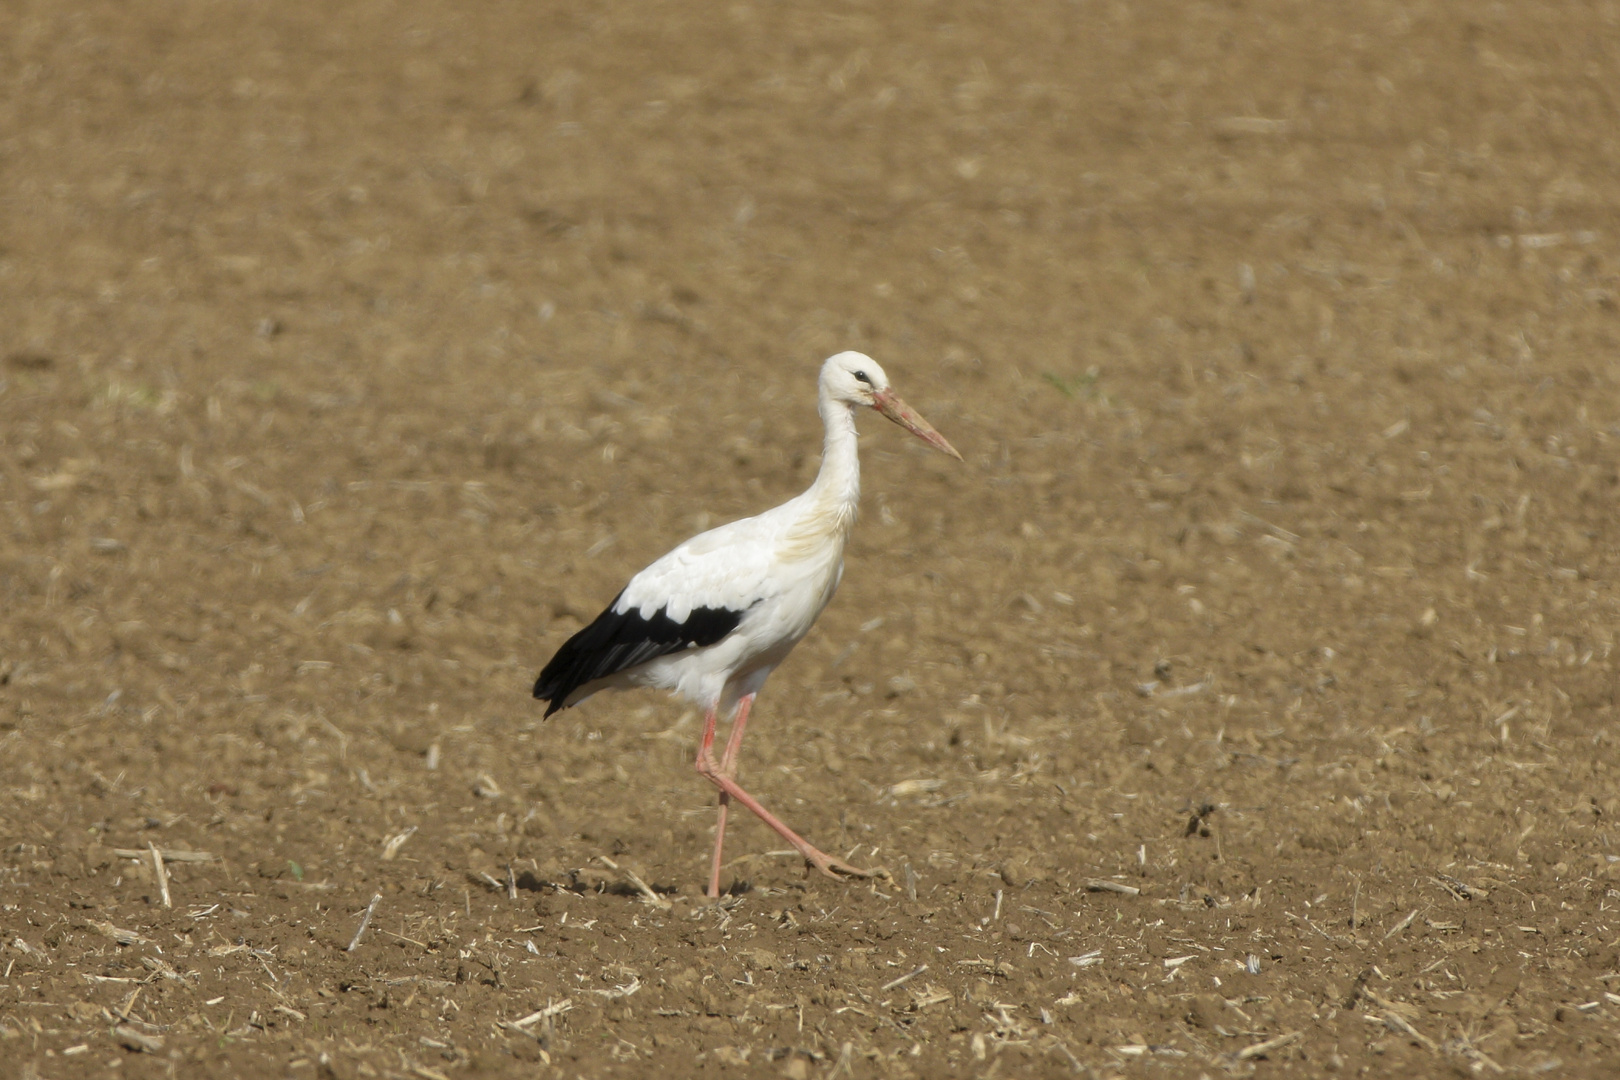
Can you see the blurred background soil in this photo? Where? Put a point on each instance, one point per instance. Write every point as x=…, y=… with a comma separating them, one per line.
x=1245, y=704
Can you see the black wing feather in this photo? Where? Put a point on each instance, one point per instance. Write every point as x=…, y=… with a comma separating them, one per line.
x=619, y=640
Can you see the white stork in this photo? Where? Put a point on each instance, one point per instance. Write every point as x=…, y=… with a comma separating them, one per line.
x=712, y=619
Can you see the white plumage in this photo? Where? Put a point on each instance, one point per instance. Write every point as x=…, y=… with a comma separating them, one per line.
x=737, y=567
x=712, y=619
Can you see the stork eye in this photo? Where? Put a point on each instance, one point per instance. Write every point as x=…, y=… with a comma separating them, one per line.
x=863, y=377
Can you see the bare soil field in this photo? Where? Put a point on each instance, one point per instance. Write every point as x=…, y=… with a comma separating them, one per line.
x=1244, y=705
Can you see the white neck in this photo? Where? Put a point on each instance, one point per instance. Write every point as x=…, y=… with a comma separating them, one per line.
x=831, y=502
x=839, y=481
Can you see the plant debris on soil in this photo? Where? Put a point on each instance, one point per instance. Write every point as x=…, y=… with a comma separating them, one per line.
x=1244, y=705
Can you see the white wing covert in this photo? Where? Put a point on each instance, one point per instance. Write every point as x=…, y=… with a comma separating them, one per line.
x=729, y=568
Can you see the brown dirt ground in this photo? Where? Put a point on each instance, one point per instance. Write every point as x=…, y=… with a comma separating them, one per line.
x=353, y=354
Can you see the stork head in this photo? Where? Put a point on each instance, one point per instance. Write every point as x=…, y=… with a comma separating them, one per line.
x=853, y=378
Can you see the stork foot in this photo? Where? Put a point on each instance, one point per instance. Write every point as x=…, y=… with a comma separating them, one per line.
x=723, y=776
x=839, y=870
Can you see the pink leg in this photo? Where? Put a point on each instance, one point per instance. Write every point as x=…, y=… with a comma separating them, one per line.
x=728, y=763
x=723, y=776
x=728, y=766
x=706, y=754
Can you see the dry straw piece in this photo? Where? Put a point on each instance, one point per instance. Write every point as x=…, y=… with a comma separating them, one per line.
x=902, y=980
x=1261, y=1049
x=138, y=1041
x=391, y=848
x=1459, y=889
x=162, y=874
x=542, y=1014
x=1402, y=925
x=120, y=936
x=365, y=921
x=640, y=886
x=28, y=950
x=169, y=854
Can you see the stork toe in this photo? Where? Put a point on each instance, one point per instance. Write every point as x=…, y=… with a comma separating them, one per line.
x=839, y=870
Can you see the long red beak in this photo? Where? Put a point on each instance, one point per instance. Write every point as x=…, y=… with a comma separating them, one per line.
x=885, y=402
